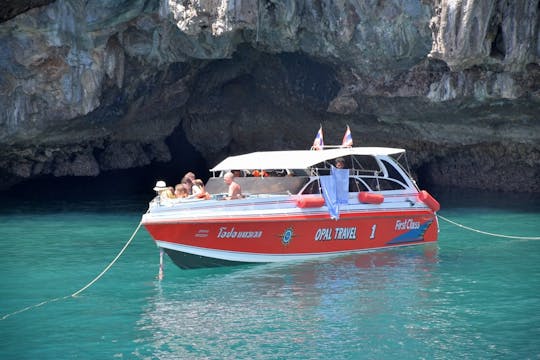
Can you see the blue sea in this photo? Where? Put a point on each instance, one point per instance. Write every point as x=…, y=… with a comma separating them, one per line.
x=470, y=296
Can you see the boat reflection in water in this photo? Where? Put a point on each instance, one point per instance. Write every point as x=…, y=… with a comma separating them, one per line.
x=272, y=309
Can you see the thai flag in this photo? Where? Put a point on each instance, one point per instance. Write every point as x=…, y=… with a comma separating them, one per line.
x=347, y=138
x=318, y=144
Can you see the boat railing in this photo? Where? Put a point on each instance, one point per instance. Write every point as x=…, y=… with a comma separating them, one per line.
x=321, y=171
x=281, y=185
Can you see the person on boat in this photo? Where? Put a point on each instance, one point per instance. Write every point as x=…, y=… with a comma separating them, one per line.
x=190, y=175
x=160, y=186
x=164, y=192
x=187, y=183
x=259, y=173
x=237, y=173
x=180, y=192
x=235, y=191
x=193, y=186
x=197, y=187
x=199, y=191
x=340, y=163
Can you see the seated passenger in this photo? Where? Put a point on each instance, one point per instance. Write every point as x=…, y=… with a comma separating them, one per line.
x=180, y=192
x=235, y=192
x=197, y=187
x=190, y=175
x=199, y=190
x=340, y=163
x=169, y=193
x=160, y=186
x=259, y=173
x=187, y=183
x=164, y=192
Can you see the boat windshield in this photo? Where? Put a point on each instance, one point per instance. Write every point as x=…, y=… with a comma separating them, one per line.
x=358, y=164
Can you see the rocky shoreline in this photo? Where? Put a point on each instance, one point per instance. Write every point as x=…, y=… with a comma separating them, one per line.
x=90, y=87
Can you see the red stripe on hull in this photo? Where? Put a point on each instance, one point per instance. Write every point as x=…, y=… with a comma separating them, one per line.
x=315, y=234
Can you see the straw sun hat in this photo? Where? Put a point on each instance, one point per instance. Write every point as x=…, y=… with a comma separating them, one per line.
x=160, y=185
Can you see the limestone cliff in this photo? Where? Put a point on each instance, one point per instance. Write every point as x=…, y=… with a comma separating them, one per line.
x=91, y=86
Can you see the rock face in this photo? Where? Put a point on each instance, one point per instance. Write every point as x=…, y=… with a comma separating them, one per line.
x=87, y=87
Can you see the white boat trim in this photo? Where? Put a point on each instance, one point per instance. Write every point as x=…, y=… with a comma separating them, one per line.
x=249, y=257
x=296, y=159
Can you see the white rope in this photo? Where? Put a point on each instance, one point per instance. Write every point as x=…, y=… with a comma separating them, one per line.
x=111, y=264
x=83, y=288
x=33, y=306
x=488, y=233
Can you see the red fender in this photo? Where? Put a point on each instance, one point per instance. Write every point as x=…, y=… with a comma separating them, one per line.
x=309, y=201
x=429, y=200
x=370, y=198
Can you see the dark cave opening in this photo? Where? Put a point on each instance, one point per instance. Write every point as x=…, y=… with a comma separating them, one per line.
x=498, y=50
x=245, y=89
x=117, y=183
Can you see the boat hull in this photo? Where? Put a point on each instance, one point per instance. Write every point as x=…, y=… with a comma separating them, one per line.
x=256, y=239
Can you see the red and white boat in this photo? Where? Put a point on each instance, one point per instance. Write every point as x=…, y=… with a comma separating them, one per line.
x=302, y=208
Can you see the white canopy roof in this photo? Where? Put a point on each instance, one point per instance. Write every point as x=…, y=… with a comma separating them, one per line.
x=296, y=159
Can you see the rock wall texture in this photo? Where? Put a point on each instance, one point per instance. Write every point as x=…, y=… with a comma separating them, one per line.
x=91, y=86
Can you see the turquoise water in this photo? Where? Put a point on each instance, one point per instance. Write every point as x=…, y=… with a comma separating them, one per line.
x=470, y=296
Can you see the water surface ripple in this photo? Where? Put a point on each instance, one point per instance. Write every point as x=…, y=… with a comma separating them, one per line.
x=470, y=296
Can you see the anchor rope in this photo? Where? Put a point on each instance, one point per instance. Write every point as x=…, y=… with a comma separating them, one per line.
x=84, y=287
x=488, y=233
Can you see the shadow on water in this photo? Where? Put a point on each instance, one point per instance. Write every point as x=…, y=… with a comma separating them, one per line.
x=472, y=198
x=308, y=271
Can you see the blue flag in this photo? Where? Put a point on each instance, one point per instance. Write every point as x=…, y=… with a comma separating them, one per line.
x=341, y=177
x=335, y=190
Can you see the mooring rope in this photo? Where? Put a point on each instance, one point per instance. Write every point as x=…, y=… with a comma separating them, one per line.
x=488, y=233
x=108, y=266
x=84, y=287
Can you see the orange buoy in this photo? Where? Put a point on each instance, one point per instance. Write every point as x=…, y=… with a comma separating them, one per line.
x=429, y=200
x=370, y=198
x=309, y=201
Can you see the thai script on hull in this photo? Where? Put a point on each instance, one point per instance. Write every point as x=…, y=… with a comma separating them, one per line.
x=224, y=233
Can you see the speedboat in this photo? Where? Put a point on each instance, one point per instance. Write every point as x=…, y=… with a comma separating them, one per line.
x=297, y=206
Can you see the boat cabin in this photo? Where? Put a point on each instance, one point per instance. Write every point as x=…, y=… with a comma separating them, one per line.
x=371, y=169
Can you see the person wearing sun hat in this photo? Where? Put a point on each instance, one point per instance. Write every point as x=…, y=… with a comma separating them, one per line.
x=160, y=185
x=163, y=191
